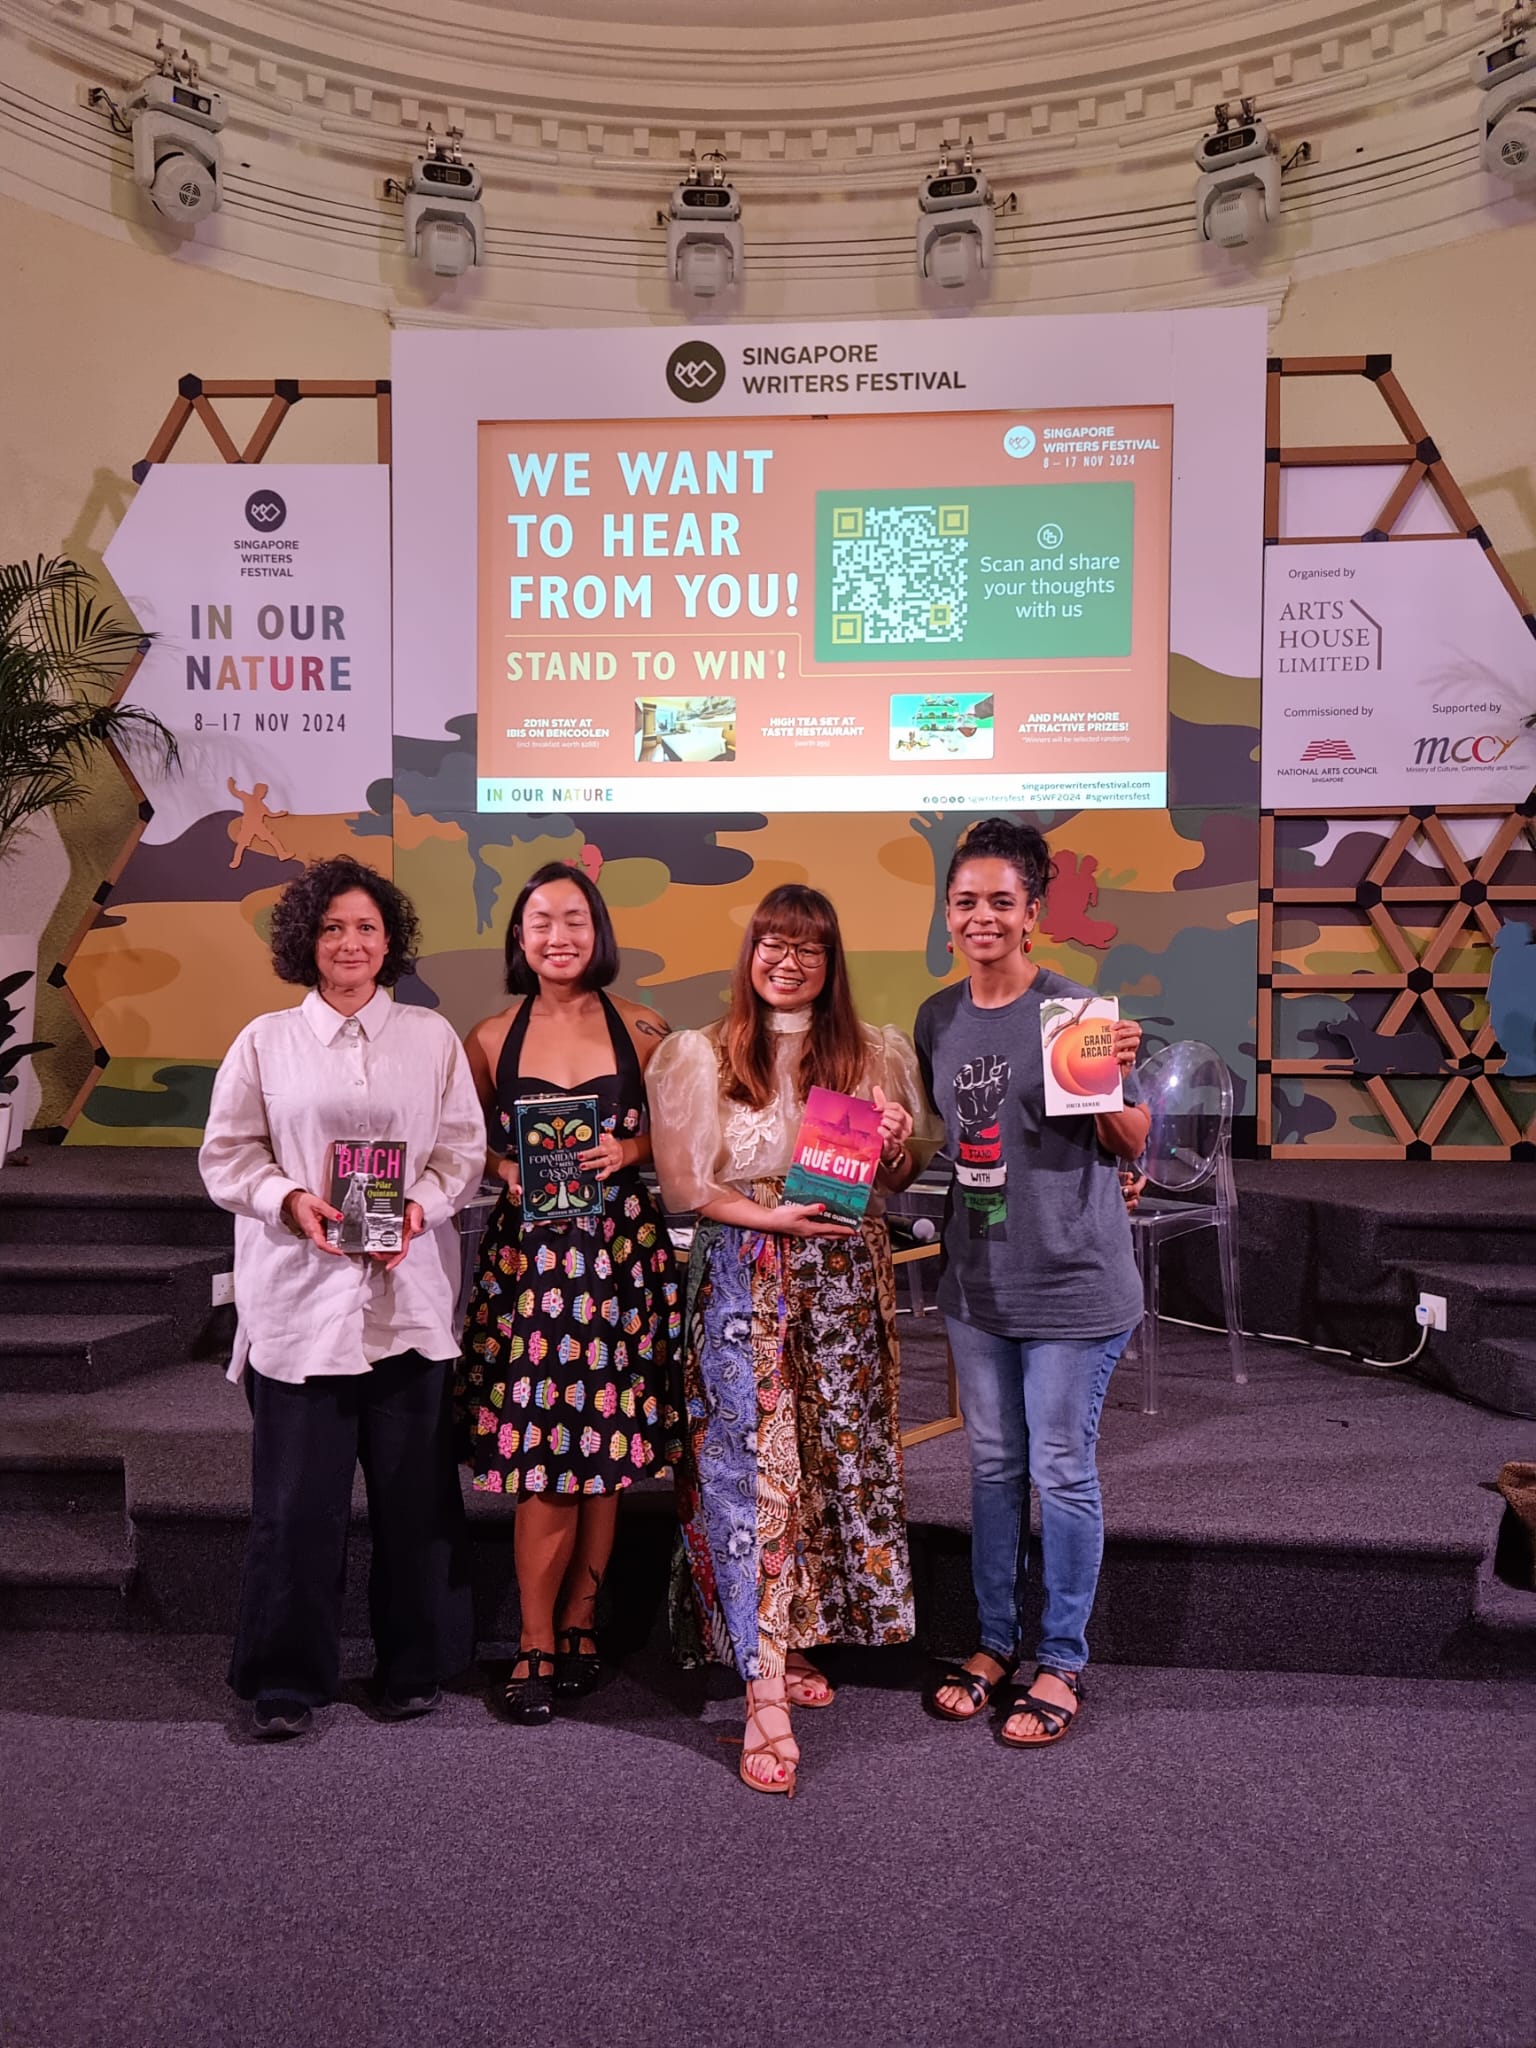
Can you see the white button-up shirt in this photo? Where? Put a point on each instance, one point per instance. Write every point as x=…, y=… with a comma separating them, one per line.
x=293, y=1083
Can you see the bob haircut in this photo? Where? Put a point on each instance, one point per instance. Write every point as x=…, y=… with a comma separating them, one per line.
x=1023, y=847
x=602, y=968
x=835, y=1054
x=299, y=912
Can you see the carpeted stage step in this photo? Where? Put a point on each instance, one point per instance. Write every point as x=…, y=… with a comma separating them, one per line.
x=1485, y=1348
x=66, y=1544
x=80, y=1353
x=1337, y=1252
x=117, y=1279
x=1317, y=1519
x=108, y=1194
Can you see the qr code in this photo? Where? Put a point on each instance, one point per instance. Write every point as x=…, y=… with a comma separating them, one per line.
x=899, y=574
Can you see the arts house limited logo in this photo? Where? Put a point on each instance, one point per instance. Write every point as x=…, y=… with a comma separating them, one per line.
x=1325, y=636
x=1328, y=750
x=696, y=372
x=265, y=511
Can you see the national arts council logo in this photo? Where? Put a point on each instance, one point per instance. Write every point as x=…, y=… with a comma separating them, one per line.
x=265, y=511
x=696, y=372
x=1329, y=758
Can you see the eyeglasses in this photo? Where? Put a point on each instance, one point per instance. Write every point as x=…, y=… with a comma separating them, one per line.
x=772, y=951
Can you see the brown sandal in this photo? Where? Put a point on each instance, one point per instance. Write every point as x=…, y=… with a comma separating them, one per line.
x=796, y=1680
x=769, y=1746
x=1054, y=1718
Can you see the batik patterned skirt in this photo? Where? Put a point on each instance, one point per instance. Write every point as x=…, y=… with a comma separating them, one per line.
x=566, y=1382
x=790, y=1486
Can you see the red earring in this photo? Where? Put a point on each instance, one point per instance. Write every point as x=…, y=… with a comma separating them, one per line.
x=949, y=945
x=1028, y=942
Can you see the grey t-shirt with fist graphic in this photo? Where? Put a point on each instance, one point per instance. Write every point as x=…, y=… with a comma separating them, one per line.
x=1037, y=1241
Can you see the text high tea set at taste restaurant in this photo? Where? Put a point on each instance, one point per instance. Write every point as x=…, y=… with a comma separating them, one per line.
x=939, y=609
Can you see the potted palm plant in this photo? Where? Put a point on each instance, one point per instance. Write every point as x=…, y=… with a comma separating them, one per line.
x=63, y=653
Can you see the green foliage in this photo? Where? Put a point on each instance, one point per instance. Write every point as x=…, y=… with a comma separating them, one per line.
x=11, y=1056
x=62, y=657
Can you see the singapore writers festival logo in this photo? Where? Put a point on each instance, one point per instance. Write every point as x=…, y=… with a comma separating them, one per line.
x=265, y=511
x=695, y=372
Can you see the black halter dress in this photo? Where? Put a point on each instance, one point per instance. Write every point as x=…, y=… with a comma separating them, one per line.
x=564, y=1385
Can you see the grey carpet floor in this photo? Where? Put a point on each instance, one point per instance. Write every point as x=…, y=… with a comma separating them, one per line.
x=1228, y=1859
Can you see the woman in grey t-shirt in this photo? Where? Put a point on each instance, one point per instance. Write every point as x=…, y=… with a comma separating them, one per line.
x=1039, y=1293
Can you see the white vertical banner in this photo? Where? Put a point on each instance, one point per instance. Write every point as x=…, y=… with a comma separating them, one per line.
x=266, y=591
x=1395, y=672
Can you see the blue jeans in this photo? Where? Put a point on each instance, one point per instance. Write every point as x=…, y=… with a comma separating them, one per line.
x=1031, y=1412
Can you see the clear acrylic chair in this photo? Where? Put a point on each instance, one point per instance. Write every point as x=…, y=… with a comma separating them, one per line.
x=1187, y=1088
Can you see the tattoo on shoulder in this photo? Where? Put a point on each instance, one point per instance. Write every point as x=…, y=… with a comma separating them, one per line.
x=653, y=1027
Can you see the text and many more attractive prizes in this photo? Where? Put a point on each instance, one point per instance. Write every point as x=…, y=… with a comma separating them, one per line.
x=837, y=1155
x=368, y=1187
x=1077, y=1045
x=552, y=1132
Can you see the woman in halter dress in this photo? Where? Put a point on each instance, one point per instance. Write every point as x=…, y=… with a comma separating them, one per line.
x=562, y=1388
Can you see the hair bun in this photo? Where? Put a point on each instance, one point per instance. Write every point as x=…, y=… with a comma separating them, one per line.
x=1022, y=845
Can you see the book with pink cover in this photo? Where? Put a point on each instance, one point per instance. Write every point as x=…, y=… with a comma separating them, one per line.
x=837, y=1155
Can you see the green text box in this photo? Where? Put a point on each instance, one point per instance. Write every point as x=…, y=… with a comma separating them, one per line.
x=974, y=573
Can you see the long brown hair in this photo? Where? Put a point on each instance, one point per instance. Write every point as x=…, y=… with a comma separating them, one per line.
x=834, y=1054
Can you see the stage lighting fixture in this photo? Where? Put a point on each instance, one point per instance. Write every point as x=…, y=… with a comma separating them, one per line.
x=1238, y=194
x=956, y=228
x=704, y=246
x=176, y=123
x=1507, y=130
x=444, y=220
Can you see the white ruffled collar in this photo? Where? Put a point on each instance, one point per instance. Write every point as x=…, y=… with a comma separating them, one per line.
x=790, y=1023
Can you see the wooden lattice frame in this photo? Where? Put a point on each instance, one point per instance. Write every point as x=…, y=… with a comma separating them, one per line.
x=195, y=398
x=1469, y=893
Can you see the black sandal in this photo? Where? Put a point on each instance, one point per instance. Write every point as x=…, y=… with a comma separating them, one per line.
x=531, y=1698
x=577, y=1671
x=1053, y=1718
x=977, y=1688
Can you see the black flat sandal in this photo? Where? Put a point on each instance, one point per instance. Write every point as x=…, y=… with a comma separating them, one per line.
x=1053, y=1718
x=977, y=1688
x=531, y=1698
x=577, y=1671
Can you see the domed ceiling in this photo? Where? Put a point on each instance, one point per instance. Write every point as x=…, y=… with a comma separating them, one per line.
x=827, y=110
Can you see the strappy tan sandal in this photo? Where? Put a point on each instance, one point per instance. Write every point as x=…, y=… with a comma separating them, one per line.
x=798, y=1675
x=769, y=1746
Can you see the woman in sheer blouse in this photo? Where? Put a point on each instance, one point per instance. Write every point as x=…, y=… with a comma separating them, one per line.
x=790, y=1489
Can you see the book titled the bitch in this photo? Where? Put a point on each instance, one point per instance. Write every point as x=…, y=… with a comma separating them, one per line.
x=368, y=1187
x=837, y=1155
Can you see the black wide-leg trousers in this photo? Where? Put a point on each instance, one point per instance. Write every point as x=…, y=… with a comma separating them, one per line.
x=310, y=1435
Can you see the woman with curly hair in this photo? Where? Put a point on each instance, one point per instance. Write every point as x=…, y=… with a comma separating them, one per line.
x=790, y=1489
x=562, y=1394
x=1039, y=1289
x=348, y=1354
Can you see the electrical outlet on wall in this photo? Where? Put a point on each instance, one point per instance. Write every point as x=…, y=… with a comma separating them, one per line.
x=1430, y=1313
x=223, y=1289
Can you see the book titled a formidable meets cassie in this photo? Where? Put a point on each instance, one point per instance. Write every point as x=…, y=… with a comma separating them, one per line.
x=837, y=1154
x=368, y=1187
x=552, y=1132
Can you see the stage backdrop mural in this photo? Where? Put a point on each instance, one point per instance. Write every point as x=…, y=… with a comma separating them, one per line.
x=709, y=614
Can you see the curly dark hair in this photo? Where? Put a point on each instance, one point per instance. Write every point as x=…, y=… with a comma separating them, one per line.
x=1022, y=846
x=299, y=912
x=602, y=968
